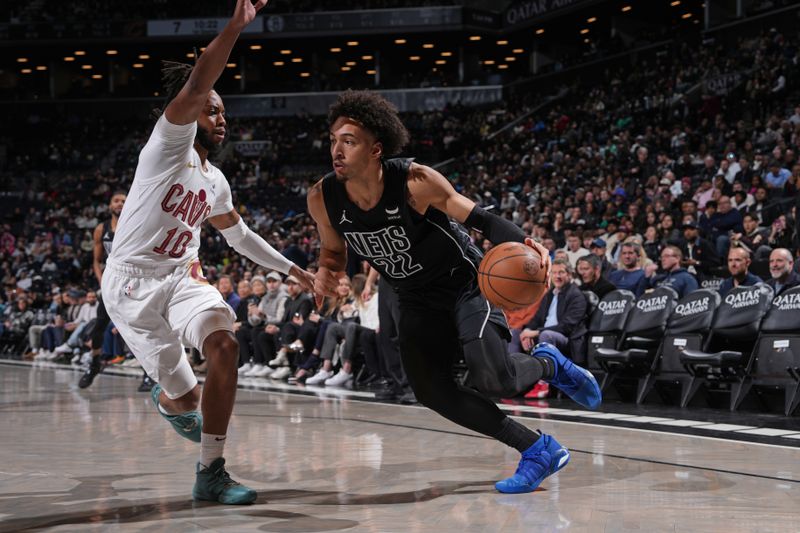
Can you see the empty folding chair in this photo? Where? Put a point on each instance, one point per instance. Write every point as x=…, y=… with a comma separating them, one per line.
x=726, y=355
x=688, y=328
x=644, y=331
x=607, y=324
x=776, y=361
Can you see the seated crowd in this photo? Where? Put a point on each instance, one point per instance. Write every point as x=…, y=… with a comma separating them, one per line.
x=626, y=187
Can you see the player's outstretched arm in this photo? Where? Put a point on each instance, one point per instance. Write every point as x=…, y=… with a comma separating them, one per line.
x=186, y=106
x=428, y=188
x=333, y=250
x=248, y=243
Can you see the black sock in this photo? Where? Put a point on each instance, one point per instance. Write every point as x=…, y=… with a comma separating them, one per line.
x=514, y=434
x=548, y=368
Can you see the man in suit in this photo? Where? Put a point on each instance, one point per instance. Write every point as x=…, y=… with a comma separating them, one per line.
x=561, y=315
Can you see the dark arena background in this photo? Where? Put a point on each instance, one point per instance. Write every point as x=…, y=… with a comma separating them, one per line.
x=651, y=146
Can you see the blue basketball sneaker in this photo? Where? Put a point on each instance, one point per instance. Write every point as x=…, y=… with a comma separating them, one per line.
x=188, y=425
x=544, y=458
x=213, y=483
x=578, y=383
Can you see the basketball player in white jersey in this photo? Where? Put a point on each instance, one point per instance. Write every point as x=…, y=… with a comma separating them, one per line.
x=153, y=284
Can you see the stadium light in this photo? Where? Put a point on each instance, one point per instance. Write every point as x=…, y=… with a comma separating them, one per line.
x=489, y=62
x=86, y=67
x=626, y=9
x=474, y=37
x=510, y=59
x=138, y=65
x=400, y=41
x=278, y=63
x=427, y=45
x=26, y=71
x=584, y=31
x=97, y=76
x=675, y=3
x=202, y=49
x=305, y=74
x=591, y=19
x=297, y=60
x=255, y=47
x=686, y=16
x=111, y=52
x=502, y=43
x=144, y=56
x=414, y=58
x=351, y=63
x=352, y=43
x=447, y=54
x=22, y=60
x=346, y=69
x=367, y=58
x=237, y=77
x=517, y=51
x=80, y=52
x=371, y=72
x=540, y=31
x=230, y=65
x=441, y=61
x=502, y=67
x=41, y=67
x=69, y=58
x=336, y=50
x=286, y=52
x=190, y=55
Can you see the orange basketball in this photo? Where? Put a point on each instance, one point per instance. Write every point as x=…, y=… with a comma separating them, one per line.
x=510, y=278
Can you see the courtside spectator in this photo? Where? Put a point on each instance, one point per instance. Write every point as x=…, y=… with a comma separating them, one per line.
x=738, y=266
x=590, y=274
x=781, y=268
x=673, y=274
x=630, y=275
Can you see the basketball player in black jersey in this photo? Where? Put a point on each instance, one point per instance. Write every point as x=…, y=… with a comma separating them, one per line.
x=394, y=213
x=103, y=239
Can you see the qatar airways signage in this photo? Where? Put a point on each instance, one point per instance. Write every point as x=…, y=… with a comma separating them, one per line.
x=530, y=10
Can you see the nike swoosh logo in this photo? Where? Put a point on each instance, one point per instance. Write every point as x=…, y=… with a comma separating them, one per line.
x=219, y=439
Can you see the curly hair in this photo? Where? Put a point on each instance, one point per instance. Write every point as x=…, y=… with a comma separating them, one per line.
x=173, y=77
x=374, y=113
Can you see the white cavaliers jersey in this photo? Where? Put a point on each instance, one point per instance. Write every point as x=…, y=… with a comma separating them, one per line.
x=169, y=199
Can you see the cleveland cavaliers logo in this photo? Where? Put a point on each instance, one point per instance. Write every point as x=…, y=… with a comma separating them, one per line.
x=196, y=272
x=387, y=248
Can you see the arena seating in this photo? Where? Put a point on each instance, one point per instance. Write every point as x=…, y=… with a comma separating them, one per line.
x=725, y=356
x=643, y=334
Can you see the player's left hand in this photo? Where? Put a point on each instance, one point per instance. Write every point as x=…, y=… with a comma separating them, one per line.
x=305, y=278
x=544, y=254
x=326, y=282
x=245, y=12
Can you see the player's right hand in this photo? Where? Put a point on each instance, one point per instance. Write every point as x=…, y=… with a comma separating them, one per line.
x=325, y=283
x=544, y=254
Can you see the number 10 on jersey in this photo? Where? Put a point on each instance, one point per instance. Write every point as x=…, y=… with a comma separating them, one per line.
x=176, y=249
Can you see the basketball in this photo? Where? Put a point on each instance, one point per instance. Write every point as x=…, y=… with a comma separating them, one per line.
x=510, y=278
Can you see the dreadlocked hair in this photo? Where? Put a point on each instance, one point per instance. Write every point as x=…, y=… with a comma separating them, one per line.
x=374, y=113
x=173, y=77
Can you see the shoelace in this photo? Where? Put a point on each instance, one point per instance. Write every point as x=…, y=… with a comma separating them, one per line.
x=226, y=478
x=542, y=459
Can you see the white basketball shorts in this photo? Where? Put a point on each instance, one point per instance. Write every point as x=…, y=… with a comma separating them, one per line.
x=153, y=309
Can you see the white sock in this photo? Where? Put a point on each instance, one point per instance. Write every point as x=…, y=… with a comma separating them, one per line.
x=211, y=447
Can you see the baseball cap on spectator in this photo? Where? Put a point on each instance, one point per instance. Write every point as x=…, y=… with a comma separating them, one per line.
x=598, y=243
x=689, y=224
x=620, y=191
x=666, y=181
x=76, y=293
x=292, y=279
x=259, y=278
x=274, y=275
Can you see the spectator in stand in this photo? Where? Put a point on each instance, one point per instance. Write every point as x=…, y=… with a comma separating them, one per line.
x=561, y=317
x=225, y=287
x=599, y=248
x=673, y=274
x=630, y=275
x=781, y=233
x=297, y=307
x=698, y=256
x=739, y=268
x=776, y=178
x=760, y=208
x=724, y=222
x=781, y=268
x=753, y=238
x=574, y=250
x=17, y=322
x=269, y=311
x=590, y=272
x=87, y=313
